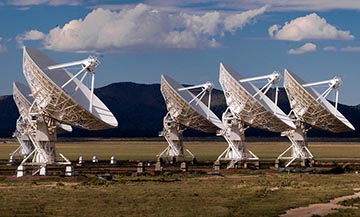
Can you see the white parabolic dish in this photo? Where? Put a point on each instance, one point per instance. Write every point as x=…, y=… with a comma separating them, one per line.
x=23, y=100
x=317, y=113
x=64, y=105
x=192, y=115
x=259, y=111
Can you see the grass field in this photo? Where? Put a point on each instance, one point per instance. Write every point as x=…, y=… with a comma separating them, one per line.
x=147, y=150
x=240, y=192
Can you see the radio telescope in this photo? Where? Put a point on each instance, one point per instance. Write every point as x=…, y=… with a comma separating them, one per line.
x=308, y=107
x=60, y=97
x=248, y=105
x=185, y=110
x=24, y=101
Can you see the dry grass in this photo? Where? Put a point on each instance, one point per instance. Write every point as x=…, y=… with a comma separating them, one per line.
x=239, y=195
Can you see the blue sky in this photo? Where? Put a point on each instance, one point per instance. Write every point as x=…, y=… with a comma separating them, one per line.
x=139, y=40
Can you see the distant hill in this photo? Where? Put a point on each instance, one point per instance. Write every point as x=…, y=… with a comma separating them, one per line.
x=357, y=107
x=140, y=108
x=8, y=116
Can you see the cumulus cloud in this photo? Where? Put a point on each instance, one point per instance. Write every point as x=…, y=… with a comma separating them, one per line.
x=330, y=48
x=3, y=48
x=308, y=27
x=308, y=47
x=31, y=35
x=144, y=27
x=47, y=2
x=350, y=49
x=207, y=23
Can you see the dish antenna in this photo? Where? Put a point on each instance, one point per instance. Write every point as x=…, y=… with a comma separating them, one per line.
x=185, y=110
x=248, y=105
x=24, y=102
x=60, y=97
x=308, y=107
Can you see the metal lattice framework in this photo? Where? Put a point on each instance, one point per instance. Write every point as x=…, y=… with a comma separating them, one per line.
x=56, y=102
x=250, y=105
x=311, y=108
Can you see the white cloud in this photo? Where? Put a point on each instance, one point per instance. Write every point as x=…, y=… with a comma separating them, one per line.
x=308, y=27
x=31, y=35
x=47, y=2
x=272, y=29
x=207, y=23
x=145, y=27
x=238, y=21
x=3, y=48
x=350, y=49
x=308, y=47
x=330, y=48
x=23, y=8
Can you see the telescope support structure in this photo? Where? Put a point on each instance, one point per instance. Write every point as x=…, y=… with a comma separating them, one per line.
x=298, y=149
x=234, y=134
x=173, y=134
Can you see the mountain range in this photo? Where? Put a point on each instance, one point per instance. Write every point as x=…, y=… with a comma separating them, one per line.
x=140, y=108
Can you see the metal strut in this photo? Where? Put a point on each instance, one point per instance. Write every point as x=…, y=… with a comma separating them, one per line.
x=272, y=79
x=234, y=134
x=334, y=83
x=88, y=66
x=206, y=88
